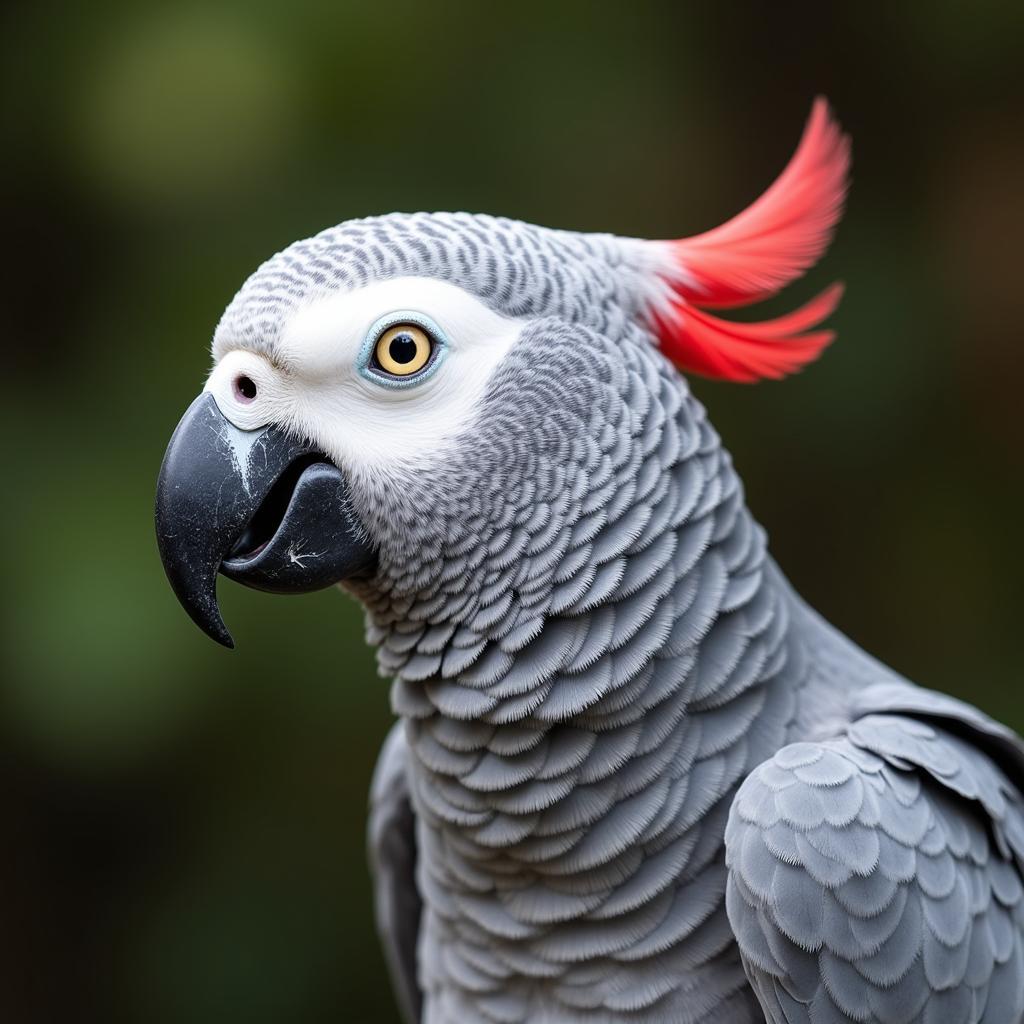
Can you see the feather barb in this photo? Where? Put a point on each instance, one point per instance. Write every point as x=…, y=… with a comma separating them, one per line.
x=752, y=257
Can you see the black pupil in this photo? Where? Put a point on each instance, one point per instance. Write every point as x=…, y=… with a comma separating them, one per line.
x=402, y=348
x=246, y=387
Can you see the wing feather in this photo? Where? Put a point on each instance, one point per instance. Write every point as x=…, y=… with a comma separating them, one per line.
x=877, y=877
x=392, y=854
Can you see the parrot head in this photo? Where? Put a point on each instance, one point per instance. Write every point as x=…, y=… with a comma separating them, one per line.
x=439, y=411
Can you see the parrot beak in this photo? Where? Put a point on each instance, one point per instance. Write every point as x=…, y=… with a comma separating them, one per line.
x=260, y=506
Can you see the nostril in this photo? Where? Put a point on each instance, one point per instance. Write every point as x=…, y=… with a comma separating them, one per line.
x=245, y=388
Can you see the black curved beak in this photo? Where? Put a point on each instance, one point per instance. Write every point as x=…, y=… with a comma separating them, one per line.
x=259, y=506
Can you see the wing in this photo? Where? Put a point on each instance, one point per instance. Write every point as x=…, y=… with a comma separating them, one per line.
x=876, y=877
x=392, y=853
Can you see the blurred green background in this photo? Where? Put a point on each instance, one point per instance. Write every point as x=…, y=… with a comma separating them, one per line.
x=184, y=825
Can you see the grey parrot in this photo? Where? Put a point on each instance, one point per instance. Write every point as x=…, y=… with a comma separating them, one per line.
x=635, y=778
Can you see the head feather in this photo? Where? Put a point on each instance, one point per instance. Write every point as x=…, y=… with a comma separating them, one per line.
x=752, y=257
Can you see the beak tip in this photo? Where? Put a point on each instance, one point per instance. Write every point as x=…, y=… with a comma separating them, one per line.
x=220, y=634
x=213, y=626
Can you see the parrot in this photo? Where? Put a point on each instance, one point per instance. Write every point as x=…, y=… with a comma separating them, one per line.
x=634, y=777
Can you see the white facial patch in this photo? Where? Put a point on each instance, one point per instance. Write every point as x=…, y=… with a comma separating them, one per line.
x=365, y=426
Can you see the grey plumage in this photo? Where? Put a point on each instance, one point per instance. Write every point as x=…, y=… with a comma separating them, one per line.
x=564, y=776
x=392, y=849
x=872, y=877
x=636, y=778
x=519, y=269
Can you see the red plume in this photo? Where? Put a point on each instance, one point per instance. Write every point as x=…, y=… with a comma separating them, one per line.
x=753, y=256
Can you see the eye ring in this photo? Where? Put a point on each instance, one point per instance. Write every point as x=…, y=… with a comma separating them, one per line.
x=402, y=349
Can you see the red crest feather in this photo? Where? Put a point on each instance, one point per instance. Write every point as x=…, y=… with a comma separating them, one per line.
x=750, y=258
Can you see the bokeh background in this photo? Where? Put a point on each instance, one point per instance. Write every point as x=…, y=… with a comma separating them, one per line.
x=183, y=826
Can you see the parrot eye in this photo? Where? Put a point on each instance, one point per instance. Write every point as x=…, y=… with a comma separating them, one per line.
x=400, y=351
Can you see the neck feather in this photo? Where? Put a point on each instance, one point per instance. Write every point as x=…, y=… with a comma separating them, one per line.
x=647, y=640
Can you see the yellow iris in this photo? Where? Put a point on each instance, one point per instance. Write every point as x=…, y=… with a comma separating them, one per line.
x=403, y=350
